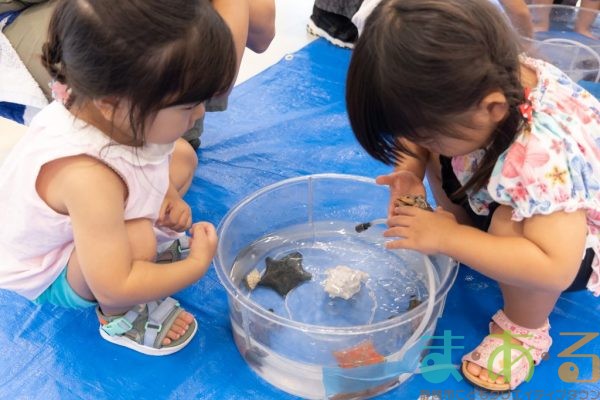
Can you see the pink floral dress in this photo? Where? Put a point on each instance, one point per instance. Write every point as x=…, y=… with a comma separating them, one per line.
x=553, y=163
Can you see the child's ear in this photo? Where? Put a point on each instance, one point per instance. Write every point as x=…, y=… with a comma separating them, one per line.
x=495, y=105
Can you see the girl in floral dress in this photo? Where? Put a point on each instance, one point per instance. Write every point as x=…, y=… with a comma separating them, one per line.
x=511, y=149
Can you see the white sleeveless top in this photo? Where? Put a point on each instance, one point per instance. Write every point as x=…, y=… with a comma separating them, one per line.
x=35, y=241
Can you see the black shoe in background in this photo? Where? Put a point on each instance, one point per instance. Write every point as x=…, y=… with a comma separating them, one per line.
x=335, y=28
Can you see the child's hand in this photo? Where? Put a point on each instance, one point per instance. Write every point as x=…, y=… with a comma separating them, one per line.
x=175, y=214
x=203, y=243
x=421, y=230
x=400, y=183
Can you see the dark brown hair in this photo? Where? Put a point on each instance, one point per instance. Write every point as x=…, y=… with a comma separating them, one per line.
x=421, y=64
x=154, y=53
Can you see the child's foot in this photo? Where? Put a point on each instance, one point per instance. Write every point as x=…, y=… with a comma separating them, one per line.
x=155, y=328
x=179, y=328
x=482, y=373
x=487, y=366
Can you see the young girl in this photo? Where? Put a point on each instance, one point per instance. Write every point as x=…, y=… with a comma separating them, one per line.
x=87, y=186
x=512, y=150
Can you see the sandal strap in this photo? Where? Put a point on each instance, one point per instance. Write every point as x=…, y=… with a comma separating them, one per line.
x=178, y=250
x=492, y=353
x=537, y=341
x=119, y=325
x=157, y=314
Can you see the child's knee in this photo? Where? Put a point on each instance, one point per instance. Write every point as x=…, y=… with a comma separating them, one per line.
x=186, y=154
x=183, y=165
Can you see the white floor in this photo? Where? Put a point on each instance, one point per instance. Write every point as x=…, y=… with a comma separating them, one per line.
x=290, y=36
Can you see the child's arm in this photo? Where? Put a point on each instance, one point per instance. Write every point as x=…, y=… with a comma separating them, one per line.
x=94, y=197
x=543, y=251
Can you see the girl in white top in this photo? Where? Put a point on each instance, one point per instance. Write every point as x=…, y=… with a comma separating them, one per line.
x=94, y=178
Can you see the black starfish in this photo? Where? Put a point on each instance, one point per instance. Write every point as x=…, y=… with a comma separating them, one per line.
x=284, y=274
x=254, y=356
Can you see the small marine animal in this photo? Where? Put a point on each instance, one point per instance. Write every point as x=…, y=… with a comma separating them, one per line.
x=414, y=200
x=252, y=279
x=284, y=274
x=343, y=281
x=362, y=354
x=413, y=302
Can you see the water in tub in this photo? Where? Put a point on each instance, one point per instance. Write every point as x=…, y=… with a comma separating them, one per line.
x=292, y=357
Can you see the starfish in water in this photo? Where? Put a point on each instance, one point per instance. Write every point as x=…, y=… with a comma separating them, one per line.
x=284, y=274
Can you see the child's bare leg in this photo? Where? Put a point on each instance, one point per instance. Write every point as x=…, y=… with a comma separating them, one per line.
x=523, y=306
x=183, y=165
x=143, y=247
x=585, y=19
x=434, y=177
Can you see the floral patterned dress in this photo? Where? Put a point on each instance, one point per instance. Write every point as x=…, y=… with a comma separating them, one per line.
x=553, y=163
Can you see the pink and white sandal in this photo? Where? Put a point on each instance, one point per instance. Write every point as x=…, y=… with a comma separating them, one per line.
x=495, y=349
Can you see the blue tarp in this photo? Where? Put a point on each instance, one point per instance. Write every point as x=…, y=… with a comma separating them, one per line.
x=288, y=121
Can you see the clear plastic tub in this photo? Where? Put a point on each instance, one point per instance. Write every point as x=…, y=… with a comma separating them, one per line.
x=557, y=41
x=308, y=343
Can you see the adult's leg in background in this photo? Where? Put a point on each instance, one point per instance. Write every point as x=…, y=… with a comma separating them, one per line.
x=27, y=34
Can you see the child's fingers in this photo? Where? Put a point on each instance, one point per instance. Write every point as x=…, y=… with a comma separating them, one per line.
x=397, y=231
x=399, y=244
x=211, y=232
x=182, y=221
x=400, y=220
x=204, y=229
x=407, y=210
x=164, y=207
x=384, y=180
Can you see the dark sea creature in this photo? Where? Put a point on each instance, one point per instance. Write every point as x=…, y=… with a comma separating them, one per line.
x=413, y=200
x=413, y=302
x=284, y=274
x=254, y=357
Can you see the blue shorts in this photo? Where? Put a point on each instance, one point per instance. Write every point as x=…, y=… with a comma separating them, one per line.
x=61, y=294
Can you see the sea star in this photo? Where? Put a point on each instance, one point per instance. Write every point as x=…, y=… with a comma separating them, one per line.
x=284, y=274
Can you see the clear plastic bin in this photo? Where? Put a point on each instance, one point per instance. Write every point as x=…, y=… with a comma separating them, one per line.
x=308, y=343
x=557, y=41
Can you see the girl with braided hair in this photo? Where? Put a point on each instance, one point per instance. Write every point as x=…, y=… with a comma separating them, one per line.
x=511, y=149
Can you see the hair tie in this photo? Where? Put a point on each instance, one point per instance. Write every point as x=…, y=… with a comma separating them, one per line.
x=526, y=108
x=60, y=92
